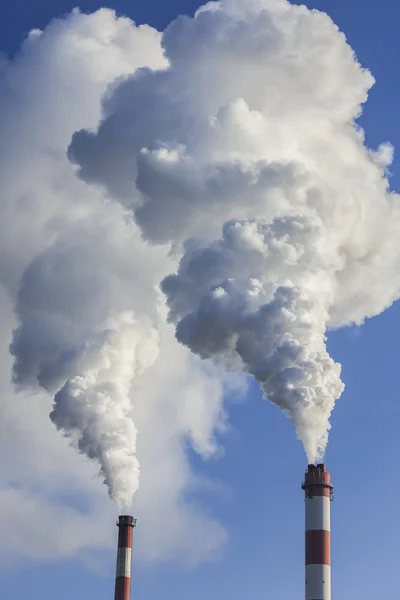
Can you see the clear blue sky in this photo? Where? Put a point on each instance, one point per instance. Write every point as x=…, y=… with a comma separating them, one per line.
x=263, y=465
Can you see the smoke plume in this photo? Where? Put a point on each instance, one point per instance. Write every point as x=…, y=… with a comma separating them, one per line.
x=86, y=351
x=81, y=306
x=255, y=300
x=95, y=408
x=244, y=154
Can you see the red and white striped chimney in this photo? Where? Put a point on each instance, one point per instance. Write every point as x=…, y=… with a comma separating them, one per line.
x=319, y=493
x=124, y=558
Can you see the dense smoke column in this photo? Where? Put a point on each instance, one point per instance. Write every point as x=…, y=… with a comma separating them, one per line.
x=92, y=371
x=270, y=154
x=255, y=300
x=124, y=558
x=318, y=495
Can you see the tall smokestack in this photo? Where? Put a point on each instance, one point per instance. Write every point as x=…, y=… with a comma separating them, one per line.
x=319, y=493
x=124, y=558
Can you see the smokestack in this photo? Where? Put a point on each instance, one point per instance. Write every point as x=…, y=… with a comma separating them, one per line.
x=124, y=558
x=318, y=495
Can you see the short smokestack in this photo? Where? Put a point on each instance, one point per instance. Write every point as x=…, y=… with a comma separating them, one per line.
x=124, y=558
x=319, y=493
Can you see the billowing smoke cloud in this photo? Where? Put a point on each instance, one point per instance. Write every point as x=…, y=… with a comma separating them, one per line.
x=259, y=294
x=243, y=187
x=77, y=340
x=81, y=307
x=95, y=408
x=251, y=131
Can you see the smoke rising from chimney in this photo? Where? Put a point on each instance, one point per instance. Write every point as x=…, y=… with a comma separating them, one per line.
x=95, y=409
x=246, y=152
x=72, y=264
x=259, y=295
x=237, y=153
x=77, y=340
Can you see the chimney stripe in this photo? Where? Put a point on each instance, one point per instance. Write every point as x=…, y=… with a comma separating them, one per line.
x=124, y=560
x=122, y=587
x=318, y=582
x=318, y=548
x=318, y=513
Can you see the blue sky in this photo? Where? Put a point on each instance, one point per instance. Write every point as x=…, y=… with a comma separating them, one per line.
x=258, y=498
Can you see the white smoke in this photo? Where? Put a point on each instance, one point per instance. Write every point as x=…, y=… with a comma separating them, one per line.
x=80, y=305
x=77, y=339
x=260, y=295
x=232, y=140
x=95, y=408
x=251, y=130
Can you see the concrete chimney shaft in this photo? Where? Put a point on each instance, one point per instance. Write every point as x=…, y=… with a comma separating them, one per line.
x=318, y=495
x=124, y=558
